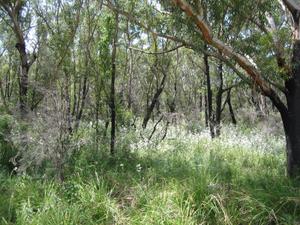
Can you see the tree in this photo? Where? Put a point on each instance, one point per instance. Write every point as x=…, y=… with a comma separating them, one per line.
x=290, y=112
x=156, y=70
x=14, y=11
x=112, y=103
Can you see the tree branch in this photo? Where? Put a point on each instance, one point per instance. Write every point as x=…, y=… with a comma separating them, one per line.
x=178, y=40
x=277, y=45
x=157, y=53
x=233, y=86
x=242, y=61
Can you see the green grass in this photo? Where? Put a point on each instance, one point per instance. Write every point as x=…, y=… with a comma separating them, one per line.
x=184, y=180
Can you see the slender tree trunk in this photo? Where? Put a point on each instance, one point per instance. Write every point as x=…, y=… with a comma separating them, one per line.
x=82, y=103
x=82, y=94
x=219, y=100
x=206, y=110
x=130, y=65
x=75, y=100
x=209, y=96
x=23, y=81
x=97, y=123
x=231, y=111
x=172, y=104
x=68, y=103
x=154, y=101
x=112, y=88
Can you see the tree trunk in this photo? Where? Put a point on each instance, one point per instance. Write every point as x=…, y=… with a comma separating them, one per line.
x=81, y=104
x=209, y=96
x=130, y=65
x=293, y=153
x=154, y=101
x=67, y=100
x=290, y=115
x=233, y=119
x=112, y=88
x=219, y=101
x=23, y=79
x=206, y=110
x=291, y=120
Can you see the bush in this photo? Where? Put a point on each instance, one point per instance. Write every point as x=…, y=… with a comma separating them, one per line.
x=7, y=149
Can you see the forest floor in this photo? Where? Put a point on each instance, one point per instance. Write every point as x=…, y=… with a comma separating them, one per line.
x=186, y=179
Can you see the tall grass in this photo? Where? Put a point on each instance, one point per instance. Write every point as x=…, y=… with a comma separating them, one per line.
x=186, y=179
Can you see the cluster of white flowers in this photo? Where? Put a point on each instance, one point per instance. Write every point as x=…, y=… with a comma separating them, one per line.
x=231, y=137
x=255, y=139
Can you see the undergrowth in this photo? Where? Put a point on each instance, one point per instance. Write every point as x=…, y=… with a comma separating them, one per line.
x=186, y=179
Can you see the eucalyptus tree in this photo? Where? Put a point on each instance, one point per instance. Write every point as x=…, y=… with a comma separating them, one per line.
x=112, y=103
x=264, y=41
x=9, y=72
x=17, y=15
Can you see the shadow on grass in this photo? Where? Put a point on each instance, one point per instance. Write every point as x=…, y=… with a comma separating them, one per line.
x=217, y=183
x=250, y=182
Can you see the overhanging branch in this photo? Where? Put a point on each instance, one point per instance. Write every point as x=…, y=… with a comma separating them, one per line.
x=242, y=61
x=157, y=53
x=223, y=48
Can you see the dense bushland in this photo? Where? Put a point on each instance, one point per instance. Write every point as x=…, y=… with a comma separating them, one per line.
x=149, y=112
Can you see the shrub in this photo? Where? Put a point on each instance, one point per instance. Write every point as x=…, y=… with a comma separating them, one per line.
x=7, y=149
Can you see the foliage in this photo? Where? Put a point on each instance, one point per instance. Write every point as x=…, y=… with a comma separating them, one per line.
x=7, y=149
x=69, y=68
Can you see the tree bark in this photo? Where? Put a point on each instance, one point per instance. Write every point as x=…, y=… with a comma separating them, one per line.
x=206, y=110
x=231, y=111
x=130, y=65
x=112, y=88
x=219, y=100
x=154, y=101
x=23, y=80
x=209, y=96
x=67, y=100
x=81, y=104
x=291, y=119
